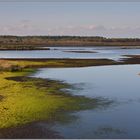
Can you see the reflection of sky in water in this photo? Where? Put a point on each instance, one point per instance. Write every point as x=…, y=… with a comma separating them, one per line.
x=60, y=52
x=107, y=81
x=118, y=83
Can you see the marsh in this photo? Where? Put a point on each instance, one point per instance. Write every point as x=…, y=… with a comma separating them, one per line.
x=70, y=98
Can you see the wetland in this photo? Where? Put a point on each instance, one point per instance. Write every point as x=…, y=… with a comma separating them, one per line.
x=52, y=95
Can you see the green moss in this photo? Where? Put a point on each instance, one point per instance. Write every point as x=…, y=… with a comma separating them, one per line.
x=31, y=99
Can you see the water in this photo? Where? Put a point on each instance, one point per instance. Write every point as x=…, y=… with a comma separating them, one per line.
x=117, y=83
x=64, y=52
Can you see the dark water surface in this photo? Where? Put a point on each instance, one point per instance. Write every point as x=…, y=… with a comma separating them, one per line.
x=121, y=84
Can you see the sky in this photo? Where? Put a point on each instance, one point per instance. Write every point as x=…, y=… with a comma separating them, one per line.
x=108, y=19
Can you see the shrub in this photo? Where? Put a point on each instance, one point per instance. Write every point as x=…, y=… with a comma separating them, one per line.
x=7, y=66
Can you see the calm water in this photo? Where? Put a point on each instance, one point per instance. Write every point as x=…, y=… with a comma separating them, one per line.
x=62, y=52
x=117, y=83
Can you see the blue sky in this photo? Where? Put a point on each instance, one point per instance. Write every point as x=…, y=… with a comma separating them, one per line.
x=109, y=19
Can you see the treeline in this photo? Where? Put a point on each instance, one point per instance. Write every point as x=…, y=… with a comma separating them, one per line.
x=33, y=42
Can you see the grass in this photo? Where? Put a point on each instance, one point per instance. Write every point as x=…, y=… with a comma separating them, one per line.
x=38, y=63
x=19, y=64
x=25, y=100
x=9, y=66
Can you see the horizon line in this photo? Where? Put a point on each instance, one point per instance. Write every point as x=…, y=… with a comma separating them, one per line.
x=68, y=36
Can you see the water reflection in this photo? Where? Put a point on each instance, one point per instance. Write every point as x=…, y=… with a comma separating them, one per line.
x=66, y=52
x=116, y=83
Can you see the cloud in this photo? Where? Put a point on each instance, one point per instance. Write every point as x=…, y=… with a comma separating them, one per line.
x=97, y=30
x=27, y=27
x=76, y=30
x=21, y=27
x=24, y=24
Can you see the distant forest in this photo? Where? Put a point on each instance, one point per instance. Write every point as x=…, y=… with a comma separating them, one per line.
x=33, y=42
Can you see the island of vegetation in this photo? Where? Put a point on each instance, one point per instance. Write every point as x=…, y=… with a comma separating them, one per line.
x=42, y=42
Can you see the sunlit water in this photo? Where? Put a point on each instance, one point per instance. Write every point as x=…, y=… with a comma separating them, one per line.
x=64, y=52
x=121, y=84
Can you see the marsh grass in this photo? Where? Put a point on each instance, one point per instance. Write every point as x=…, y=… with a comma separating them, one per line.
x=33, y=99
x=8, y=66
x=40, y=63
x=24, y=99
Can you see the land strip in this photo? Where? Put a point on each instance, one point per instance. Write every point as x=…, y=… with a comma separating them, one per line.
x=15, y=64
x=36, y=42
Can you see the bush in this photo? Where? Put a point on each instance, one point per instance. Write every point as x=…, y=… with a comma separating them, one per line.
x=6, y=66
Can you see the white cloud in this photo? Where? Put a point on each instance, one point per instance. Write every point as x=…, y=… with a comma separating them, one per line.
x=26, y=27
x=21, y=27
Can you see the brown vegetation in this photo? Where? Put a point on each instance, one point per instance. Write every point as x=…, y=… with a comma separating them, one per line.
x=14, y=64
x=7, y=66
x=33, y=42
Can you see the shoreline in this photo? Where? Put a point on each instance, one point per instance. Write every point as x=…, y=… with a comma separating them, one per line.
x=30, y=42
x=48, y=47
x=39, y=91
x=32, y=105
x=29, y=131
x=68, y=62
x=34, y=49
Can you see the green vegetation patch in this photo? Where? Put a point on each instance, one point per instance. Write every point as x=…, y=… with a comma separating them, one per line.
x=19, y=64
x=24, y=99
